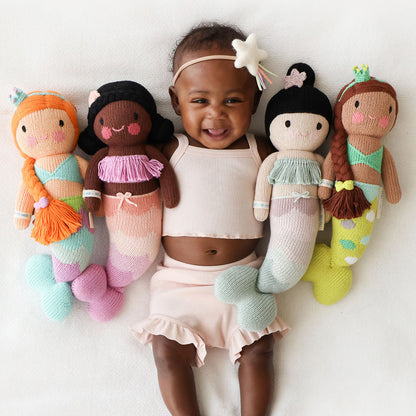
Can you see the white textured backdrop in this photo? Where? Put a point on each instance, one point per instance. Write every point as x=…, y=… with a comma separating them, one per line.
x=354, y=358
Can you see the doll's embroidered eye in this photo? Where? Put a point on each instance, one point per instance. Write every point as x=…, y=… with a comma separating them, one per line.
x=61, y=123
x=101, y=121
x=357, y=103
x=390, y=109
x=318, y=126
x=287, y=123
x=24, y=129
x=136, y=116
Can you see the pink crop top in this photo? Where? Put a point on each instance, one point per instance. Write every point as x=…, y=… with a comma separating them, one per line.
x=216, y=190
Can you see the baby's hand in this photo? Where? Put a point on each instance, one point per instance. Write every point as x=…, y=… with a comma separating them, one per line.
x=261, y=214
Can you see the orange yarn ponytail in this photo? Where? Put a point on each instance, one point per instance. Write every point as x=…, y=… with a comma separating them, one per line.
x=55, y=220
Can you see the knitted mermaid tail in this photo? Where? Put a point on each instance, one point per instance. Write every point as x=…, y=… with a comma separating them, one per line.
x=56, y=298
x=134, y=224
x=329, y=269
x=330, y=282
x=237, y=285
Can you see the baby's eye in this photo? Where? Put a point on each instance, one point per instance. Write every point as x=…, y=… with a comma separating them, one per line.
x=357, y=103
x=287, y=123
x=136, y=116
x=101, y=121
x=199, y=101
x=61, y=123
x=24, y=129
x=318, y=126
x=232, y=100
x=390, y=109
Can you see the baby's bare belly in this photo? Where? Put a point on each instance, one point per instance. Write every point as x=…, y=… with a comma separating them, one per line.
x=204, y=251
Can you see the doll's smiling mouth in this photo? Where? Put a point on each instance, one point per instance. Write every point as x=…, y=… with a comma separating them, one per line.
x=117, y=130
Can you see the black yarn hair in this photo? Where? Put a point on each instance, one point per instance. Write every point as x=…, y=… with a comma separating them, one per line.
x=304, y=99
x=162, y=128
x=206, y=35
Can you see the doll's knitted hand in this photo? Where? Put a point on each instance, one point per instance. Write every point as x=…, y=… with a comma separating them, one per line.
x=21, y=223
x=92, y=204
x=261, y=214
x=261, y=210
x=324, y=192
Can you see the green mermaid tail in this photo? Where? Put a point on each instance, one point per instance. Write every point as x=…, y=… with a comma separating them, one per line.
x=329, y=270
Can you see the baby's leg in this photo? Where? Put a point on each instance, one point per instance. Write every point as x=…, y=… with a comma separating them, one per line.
x=176, y=380
x=256, y=377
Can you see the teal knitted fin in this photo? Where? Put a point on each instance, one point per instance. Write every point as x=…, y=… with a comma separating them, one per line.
x=237, y=285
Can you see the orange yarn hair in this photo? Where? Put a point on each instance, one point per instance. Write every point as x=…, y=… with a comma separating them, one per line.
x=347, y=204
x=39, y=100
x=56, y=220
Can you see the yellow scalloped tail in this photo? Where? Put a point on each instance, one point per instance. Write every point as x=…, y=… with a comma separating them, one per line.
x=330, y=282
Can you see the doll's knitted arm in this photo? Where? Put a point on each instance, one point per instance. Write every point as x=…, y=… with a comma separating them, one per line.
x=167, y=179
x=390, y=178
x=263, y=188
x=83, y=166
x=328, y=177
x=23, y=208
x=92, y=183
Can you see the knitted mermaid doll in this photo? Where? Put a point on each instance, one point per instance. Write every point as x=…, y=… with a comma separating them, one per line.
x=45, y=129
x=365, y=111
x=297, y=121
x=126, y=175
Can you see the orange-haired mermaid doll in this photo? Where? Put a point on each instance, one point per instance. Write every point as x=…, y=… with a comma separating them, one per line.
x=365, y=111
x=45, y=129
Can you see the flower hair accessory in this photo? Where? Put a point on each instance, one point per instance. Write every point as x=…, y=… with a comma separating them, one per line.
x=295, y=79
x=247, y=55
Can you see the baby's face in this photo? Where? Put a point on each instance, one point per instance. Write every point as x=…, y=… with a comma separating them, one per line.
x=214, y=99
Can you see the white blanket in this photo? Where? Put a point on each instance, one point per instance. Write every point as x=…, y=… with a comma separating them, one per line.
x=353, y=358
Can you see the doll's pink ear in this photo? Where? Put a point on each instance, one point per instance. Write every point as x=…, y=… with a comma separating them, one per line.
x=92, y=97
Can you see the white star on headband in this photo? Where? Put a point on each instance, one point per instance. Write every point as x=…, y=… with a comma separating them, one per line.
x=248, y=54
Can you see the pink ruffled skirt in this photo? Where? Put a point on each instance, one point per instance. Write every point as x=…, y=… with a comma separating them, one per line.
x=183, y=308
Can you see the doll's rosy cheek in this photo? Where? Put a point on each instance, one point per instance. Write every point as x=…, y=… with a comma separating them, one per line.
x=384, y=122
x=134, y=129
x=31, y=141
x=358, y=118
x=58, y=136
x=106, y=133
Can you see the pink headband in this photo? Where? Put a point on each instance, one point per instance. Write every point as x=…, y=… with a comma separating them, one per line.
x=247, y=55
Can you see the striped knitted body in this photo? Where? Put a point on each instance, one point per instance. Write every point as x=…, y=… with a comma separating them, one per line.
x=294, y=223
x=329, y=269
x=134, y=225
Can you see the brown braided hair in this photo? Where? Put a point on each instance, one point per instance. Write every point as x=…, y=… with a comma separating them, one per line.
x=347, y=204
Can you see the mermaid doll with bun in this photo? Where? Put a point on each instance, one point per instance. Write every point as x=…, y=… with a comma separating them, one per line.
x=298, y=120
